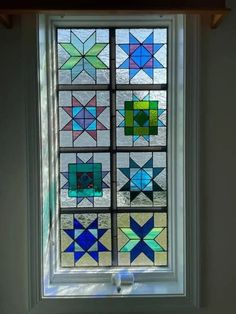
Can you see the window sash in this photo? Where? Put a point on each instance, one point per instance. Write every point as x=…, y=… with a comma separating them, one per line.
x=175, y=160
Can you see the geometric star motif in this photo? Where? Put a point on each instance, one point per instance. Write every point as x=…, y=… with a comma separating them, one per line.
x=86, y=240
x=84, y=118
x=141, y=56
x=151, y=127
x=141, y=117
x=141, y=179
x=83, y=56
x=142, y=239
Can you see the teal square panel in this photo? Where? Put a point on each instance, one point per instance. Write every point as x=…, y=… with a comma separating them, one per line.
x=85, y=180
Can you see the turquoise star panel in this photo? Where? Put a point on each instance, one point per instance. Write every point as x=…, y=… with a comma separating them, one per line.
x=141, y=179
x=142, y=239
x=85, y=180
x=141, y=118
x=141, y=56
x=84, y=118
x=83, y=56
x=85, y=240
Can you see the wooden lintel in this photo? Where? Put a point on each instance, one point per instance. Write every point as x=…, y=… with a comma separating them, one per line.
x=6, y=20
x=216, y=14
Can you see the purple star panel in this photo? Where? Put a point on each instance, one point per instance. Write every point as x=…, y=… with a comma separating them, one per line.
x=84, y=180
x=141, y=179
x=83, y=56
x=84, y=118
x=85, y=240
x=141, y=56
x=142, y=239
x=123, y=117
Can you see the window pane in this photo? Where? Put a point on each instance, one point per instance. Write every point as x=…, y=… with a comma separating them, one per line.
x=85, y=180
x=141, y=118
x=141, y=56
x=84, y=118
x=141, y=179
x=92, y=114
x=83, y=56
x=85, y=240
x=142, y=239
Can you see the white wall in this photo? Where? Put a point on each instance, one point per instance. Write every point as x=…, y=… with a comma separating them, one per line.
x=218, y=175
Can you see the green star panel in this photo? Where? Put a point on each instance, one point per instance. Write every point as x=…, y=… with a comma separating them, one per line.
x=142, y=239
x=83, y=56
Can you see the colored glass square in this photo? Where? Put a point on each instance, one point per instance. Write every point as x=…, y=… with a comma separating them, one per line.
x=85, y=180
x=128, y=104
x=129, y=131
x=153, y=130
x=142, y=116
x=153, y=105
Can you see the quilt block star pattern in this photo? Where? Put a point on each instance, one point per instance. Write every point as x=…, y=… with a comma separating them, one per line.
x=85, y=180
x=83, y=56
x=84, y=118
x=142, y=239
x=85, y=240
x=141, y=120
x=141, y=56
x=141, y=179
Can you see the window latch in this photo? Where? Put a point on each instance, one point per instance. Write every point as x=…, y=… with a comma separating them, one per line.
x=122, y=279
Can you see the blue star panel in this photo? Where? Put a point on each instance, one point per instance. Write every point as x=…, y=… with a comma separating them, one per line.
x=85, y=240
x=141, y=179
x=141, y=56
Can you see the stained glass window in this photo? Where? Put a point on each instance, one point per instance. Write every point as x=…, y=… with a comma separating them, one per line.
x=112, y=147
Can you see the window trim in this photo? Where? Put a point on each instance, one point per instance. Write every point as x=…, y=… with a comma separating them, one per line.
x=191, y=297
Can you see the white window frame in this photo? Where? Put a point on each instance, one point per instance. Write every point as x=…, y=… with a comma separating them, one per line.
x=179, y=282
